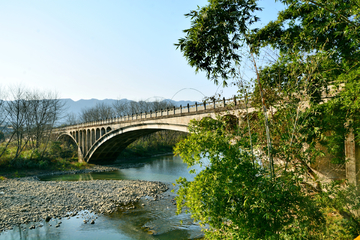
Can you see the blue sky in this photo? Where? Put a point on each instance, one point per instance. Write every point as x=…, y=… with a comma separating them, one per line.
x=85, y=49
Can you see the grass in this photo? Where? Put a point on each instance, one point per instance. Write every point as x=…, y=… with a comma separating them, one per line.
x=56, y=156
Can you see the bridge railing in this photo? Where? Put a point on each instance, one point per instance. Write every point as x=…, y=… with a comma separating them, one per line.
x=197, y=107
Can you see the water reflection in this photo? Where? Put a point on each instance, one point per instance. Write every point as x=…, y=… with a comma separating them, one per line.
x=164, y=169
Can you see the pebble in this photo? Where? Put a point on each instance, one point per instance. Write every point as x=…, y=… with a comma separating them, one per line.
x=30, y=200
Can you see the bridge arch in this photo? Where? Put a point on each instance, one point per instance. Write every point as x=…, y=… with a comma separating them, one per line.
x=67, y=137
x=109, y=146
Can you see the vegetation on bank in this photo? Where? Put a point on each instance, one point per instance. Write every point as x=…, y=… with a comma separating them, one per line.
x=57, y=156
x=260, y=183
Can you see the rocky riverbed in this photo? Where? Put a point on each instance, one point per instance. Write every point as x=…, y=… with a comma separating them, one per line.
x=28, y=200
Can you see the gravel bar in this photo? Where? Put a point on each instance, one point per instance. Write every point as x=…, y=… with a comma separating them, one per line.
x=26, y=200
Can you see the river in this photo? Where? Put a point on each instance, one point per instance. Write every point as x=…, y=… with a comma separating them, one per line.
x=148, y=220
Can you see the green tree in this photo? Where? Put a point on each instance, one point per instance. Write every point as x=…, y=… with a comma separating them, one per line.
x=236, y=198
x=318, y=45
x=319, y=48
x=217, y=33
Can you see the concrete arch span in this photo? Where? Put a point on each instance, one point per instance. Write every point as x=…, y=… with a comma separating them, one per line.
x=109, y=146
x=67, y=137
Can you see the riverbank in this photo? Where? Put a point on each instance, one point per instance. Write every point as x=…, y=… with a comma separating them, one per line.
x=129, y=162
x=26, y=200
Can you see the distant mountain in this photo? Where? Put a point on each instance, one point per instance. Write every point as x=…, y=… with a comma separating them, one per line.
x=75, y=107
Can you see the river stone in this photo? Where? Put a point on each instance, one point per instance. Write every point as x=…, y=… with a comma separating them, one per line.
x=29, y=199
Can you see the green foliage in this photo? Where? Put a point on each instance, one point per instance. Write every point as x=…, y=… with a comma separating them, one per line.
x=217, y=33
x=57, y=155
x=313, y=25
x=236, y=197
x=311, y=90
x=319, y=49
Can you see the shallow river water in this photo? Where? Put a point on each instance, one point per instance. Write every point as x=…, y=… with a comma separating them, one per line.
x=148, y=220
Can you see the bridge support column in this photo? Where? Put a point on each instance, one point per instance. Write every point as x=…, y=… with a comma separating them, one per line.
x=352, y=153
x=83, y=139
x=80, y=155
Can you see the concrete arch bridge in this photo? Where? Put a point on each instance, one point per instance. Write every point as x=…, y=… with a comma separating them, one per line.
x=103, y=141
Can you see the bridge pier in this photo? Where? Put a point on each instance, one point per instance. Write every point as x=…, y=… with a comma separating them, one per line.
x=352, y=153
x=80, y=155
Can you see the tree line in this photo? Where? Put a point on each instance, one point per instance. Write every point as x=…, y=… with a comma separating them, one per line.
x=119, y=108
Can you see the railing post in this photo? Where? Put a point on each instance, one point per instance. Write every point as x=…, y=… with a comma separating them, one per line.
x=204, y=105
x=167, y=111
x=195, y=106
x=150, y=113
x=174, y=109
x=188, y=106
x=224, y=101
x=132, y=116
x=235, y=100
x=180, y=109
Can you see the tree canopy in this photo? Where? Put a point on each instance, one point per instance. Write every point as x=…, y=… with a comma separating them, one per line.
x=217, y=33
x=310, y=91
